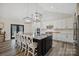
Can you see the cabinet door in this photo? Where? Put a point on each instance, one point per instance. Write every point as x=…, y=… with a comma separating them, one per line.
x=44, y=46
x=48, y=43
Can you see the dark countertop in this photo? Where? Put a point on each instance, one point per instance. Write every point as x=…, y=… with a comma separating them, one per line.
x=42, y=36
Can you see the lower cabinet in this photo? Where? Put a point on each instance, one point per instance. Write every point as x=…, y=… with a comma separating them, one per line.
x=46, y=44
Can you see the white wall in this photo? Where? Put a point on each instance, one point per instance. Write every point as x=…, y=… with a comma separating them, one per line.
x=64, y=26
x=7, y=26
x=13, y=14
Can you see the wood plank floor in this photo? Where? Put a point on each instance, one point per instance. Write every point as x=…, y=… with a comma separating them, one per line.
x=59, y=49
x=62, y=49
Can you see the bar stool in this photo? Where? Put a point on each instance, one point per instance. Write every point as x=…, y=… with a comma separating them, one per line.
x=31, y=45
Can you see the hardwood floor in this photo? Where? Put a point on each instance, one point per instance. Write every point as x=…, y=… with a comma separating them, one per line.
x=62, y=49
x=59, y=49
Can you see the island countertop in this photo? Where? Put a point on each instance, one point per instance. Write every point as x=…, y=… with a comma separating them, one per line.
x=42, y=36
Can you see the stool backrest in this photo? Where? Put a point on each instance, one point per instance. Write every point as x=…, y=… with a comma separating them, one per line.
x=29, y=40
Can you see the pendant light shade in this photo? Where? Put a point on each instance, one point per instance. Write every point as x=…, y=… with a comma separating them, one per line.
x=28, y=19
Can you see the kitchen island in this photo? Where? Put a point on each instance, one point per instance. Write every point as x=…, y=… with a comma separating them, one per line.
x=44, y=43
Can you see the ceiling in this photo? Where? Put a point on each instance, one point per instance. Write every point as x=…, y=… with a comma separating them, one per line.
x=67, y=8
x=20, y=10
x=54, y=10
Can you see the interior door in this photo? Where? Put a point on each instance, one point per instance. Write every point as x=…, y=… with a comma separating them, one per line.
x=15, y=29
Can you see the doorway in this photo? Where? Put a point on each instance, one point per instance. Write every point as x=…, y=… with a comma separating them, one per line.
x=15, y=28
